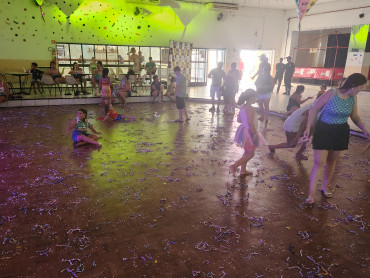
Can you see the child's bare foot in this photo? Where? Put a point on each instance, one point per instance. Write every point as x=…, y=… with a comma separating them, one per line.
x=246, y=173
x=310, y=201
x=232, y=171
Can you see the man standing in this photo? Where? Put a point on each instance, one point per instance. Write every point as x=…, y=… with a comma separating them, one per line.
x=180, y=93
x=289, y=71
x=150, y=68
x=280, y=68
x=217, y=75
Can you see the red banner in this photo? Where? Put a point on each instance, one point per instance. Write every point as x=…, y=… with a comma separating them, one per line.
x=319, y=73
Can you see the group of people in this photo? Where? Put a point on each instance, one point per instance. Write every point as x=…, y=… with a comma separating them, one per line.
x=226, y=85
x=80, y=126
x=286, y=71
x=324, y=124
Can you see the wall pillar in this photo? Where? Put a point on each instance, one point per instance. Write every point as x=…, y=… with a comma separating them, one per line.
x=357, y=59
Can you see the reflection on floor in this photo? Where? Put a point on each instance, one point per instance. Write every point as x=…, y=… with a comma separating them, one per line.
x=278, y=102
x=157, y=201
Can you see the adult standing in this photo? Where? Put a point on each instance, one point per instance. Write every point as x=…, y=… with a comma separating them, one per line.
x=235, y=73
x=280, y=68
x=263, y=66
x=136, y=59
x=289, y=71
x=217, y=75
x=180, y=93
x=331, y=132
x=264, y=87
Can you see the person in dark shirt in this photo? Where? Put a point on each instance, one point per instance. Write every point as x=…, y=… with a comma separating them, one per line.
x=156, y=89
x=280, y=68
x=36, y=77
x=131, y=71
x=289, y=71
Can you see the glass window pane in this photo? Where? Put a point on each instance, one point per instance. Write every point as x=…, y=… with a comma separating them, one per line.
x=87, y=53
x=164, y=55
x=145, y=52
x=193, y=72
x=202, y=55
x=156, y=54
x=194, y=55
x=112, y=55
x=163, y=71
x=76, y=53
x=201, y=72
x=63, y=53
x=122, y=54
x=100, y=54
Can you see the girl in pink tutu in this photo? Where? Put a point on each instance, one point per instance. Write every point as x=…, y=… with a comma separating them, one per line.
x=247, y=135
x=105, y=87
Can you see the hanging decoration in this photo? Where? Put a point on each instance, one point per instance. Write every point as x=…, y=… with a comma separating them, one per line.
x=40, y=2
x=303, y=7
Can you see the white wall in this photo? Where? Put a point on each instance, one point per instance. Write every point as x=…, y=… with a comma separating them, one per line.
x=338, y=14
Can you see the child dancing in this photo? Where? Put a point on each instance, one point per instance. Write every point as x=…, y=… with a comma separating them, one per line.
x=79, y=127
x=246, y=136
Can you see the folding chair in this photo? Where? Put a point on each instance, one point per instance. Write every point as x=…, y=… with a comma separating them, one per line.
x=70, y=80
x=48, y=81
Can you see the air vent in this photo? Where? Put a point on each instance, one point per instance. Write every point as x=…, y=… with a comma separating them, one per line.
x=217, y=6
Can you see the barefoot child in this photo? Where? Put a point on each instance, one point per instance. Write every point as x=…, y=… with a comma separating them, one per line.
x=246, y=136
x=180, y=93
x=114, y=116
x=36, y=77
x=294, y=127
x=79, y=128
x=171, y=89
x=105, y=87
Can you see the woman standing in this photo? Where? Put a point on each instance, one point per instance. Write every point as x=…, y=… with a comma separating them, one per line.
x=264, y=87
x=331, y=133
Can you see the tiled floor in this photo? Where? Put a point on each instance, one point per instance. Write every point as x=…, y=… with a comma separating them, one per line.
x=157, y=200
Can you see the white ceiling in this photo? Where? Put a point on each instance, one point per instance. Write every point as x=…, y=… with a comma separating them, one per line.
x=268, y=4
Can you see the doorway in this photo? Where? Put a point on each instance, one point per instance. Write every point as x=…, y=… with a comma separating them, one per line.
x=249, y=62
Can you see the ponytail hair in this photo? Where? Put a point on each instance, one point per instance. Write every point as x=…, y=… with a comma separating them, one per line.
x=246, y=96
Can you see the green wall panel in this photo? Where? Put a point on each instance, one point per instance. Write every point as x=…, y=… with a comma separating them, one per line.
x=26, y=35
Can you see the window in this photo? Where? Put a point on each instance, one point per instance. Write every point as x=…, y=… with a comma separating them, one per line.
x=198, y=67
x=114, y=57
